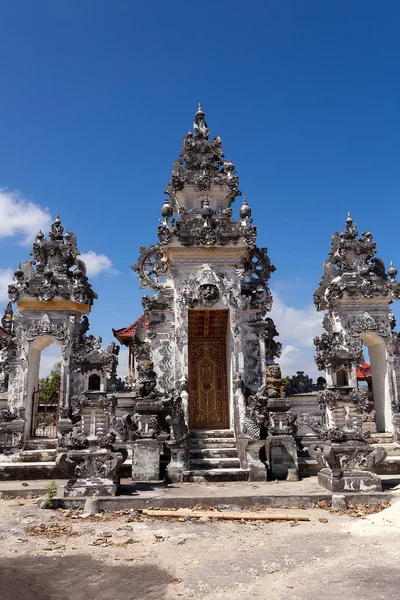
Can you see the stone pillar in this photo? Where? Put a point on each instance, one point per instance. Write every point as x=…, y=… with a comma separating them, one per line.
x=257, y=469
x=281, y=451
x=146, y=460
x=178, y=462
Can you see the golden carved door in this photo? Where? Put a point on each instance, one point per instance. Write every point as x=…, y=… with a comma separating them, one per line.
x=208, y=381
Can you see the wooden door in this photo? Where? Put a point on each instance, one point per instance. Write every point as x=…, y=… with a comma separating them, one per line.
x=208, y=381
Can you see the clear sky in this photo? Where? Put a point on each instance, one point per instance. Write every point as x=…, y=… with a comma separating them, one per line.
x=96, y=96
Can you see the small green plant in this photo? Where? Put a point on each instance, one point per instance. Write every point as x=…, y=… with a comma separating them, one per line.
x=51, y=493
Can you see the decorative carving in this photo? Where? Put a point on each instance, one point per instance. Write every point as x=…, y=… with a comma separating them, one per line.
x=175, y=418
x=55, y=270
x=275, y=383
x=147, y=379
x=314, y=422
x=201, y=162
x=353, y=269
x=152, y=267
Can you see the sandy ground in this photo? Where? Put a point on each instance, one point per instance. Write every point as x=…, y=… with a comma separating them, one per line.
x=56, y=554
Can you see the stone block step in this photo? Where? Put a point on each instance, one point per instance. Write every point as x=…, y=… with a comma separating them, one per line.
x=200, y=475
x=211, y=433
x=382, y=438
x=391, y=449
x=29, y=470
x=213, y=453
x=214, y=463
x=40, y=443
x=213, y=443
x=44, y=455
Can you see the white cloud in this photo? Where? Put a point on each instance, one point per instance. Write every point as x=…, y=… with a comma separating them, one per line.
x=20, y=217
x=295, y=359
x=297, y=326
x=6, y=276
x=96, y=263
x=123, y=356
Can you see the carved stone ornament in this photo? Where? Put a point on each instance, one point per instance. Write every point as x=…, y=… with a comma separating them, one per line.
x=208, y=294
x=335, y=349
x=152, y=267
x=353, y=269
x=55, y=270
x=201, y=162
x=33, y=328
x=175, y=419
x=357, y=327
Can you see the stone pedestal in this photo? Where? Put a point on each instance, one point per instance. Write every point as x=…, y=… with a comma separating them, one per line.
x=349, y=481
x=257, y=469
x=178, y=462
x=348, y=466
x=92, y=469
x=146, y=460
x=91, y=487
x=11, y=435
x=281, y=453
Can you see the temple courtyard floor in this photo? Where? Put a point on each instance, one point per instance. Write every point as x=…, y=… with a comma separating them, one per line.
x=121, y=553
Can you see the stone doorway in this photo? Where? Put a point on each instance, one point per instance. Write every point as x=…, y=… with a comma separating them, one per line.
x=377, y=357
x=208, y=378
x=43, y=389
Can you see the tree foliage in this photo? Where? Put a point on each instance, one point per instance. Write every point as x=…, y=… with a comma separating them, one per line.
x=49, y=387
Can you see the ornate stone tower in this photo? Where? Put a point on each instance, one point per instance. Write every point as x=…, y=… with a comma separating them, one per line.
x=356, y=292
x=53, y=298
x=206, y=330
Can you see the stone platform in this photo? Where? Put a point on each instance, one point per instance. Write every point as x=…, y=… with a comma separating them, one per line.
x=306, y=492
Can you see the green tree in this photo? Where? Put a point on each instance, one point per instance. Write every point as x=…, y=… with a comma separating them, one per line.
x=49, y=387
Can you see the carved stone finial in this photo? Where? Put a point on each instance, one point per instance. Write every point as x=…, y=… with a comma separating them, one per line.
x=57, y=230
x=245, y=210
x=392, y=271
x=200, y=126
x=166, y=210
x=206, y=210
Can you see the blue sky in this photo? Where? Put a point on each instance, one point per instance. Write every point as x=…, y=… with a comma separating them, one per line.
x=97, y=95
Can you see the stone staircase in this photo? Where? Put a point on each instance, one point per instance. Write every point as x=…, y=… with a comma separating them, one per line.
x=213, y=457
x=35, y=461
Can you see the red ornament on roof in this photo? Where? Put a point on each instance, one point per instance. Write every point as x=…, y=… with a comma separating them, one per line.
x=363, y=371
x=126, y=334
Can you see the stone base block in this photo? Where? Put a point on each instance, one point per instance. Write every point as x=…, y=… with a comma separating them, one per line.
x=281, y=455
x=256, y=468
x=91, y=487
x=146, y=460
x=349, y=481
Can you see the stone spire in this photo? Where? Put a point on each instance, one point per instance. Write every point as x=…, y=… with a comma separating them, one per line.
x=353, y=270
x=55, y=271
x=201, y=164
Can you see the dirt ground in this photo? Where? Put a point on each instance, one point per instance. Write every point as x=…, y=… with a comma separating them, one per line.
x=59, y=554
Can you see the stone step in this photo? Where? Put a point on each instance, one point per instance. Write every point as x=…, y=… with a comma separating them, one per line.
x=200, y=475
x=213, y=452
x=29, y=470
x=40, y=443
x=211, y=433
x=382, y=438
x=214, y=463
x=392, y=449
x=44, y=455
x=213, y=443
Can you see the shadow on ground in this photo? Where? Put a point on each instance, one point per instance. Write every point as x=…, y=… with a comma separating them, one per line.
x=79, y=578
